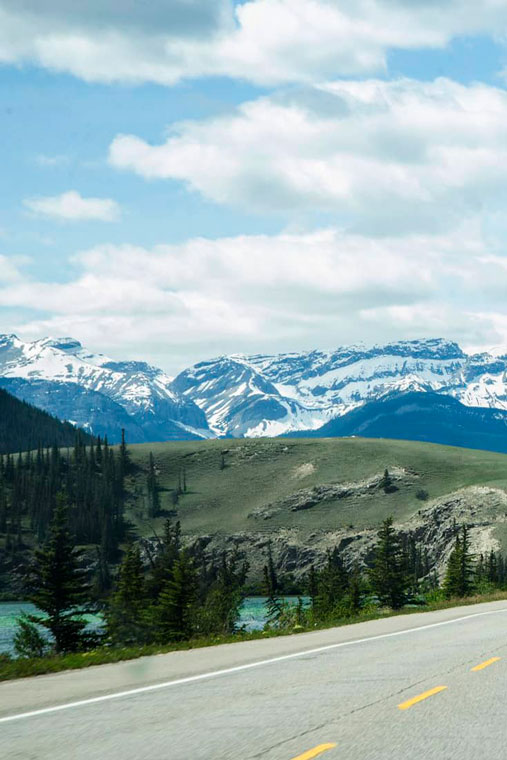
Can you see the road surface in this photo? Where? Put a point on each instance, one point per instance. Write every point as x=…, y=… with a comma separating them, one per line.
x=429, y=685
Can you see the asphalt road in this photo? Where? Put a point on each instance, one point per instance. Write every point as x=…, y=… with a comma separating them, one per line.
x=393, y=689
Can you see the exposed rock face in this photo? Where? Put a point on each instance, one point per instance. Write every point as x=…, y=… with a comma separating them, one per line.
x=434, y=527
x=307, y=498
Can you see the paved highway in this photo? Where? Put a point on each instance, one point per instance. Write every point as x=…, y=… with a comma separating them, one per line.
x=424, y=686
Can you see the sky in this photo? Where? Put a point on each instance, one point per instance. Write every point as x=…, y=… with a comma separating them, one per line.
x=183, y=179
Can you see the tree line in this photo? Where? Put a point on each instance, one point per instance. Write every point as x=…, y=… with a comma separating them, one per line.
x=175, y=593
x=91, y=480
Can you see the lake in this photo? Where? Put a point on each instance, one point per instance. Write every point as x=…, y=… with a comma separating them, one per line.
x=252, y=616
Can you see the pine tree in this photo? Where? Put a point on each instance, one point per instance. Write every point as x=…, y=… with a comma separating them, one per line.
x=355, y=590
x=274, y=605
x=219, y=611
x=387, y=575
x=175, y=609
x=332, y=585
x=459, y=577
x=386, y=482
x=153, y=489
x=124, y=455
x=492, y=568
x=60, y=588
x=163, y=564
x=312, y=584
x=126, y=618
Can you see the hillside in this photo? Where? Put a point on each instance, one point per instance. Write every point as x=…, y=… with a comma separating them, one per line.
x=308, y=495
x=23, y=427
x=422, y=417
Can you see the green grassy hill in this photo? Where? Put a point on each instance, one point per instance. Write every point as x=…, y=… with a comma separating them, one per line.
x=266, y=475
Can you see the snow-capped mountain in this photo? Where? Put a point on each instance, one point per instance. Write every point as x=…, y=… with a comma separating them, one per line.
x=240, y=395
x=96, y=392
x=271, y=395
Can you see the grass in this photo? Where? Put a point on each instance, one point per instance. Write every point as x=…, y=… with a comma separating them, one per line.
x=259, y=472
x=23, y=668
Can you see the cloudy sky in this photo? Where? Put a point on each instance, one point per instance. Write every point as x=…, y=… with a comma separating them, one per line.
x=186, y=178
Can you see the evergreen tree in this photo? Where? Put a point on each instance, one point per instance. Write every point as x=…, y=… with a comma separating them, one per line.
x=355, y=590
x=459, y=577
x=126, y=614
x=274, y=605
x=60, y=588
x=386, y=482
x=153, y=489
x=175, y=610
x=492, y=568
x=332, y=586
x=28, y=640
x=387, y=576
x=163, y=564
x=219, y=611
x=312, y=585
x=124, y=455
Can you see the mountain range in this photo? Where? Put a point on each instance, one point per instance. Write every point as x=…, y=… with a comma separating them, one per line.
x=257, y=395
x=96, y=393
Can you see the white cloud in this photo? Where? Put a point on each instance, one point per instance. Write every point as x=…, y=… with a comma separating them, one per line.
x=265, y=41
x=9, y=268
x=51, y=161
x=71, y=206
x=271, y=293
x=397, y=155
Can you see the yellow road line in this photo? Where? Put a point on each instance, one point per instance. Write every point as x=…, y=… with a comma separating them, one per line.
x=420, y=697
x=485, y=664
x=315, y=752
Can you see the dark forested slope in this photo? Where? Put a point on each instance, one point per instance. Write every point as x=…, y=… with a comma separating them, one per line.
x=23, y=427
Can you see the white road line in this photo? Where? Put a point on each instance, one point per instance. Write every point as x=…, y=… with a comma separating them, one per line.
x=237, y=668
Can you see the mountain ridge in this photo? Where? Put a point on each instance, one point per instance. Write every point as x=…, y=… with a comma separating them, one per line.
x=136, y=389
x=241, y=395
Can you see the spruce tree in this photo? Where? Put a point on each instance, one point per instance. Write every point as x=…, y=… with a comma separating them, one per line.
x=168, y=553
x=459, y=577
x=386, y=482
x=332, y=585
x=153, y=489
x=219, y=611
x=274, y=605
x=126, y=618
x=355, y=590
x=176, y=604
x=60, y=587
x=387, y=576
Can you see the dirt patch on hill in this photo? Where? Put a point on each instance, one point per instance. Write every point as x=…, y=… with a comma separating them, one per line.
x=304, y=470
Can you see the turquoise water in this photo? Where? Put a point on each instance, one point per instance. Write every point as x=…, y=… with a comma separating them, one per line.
x=252, y=617
x=9, y=613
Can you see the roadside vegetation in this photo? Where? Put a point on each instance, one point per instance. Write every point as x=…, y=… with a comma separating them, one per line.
x=179, y=599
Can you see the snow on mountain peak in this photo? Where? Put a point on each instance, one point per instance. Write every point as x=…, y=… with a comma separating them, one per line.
x=247, y=395
x=268, y=394
x=143, y=392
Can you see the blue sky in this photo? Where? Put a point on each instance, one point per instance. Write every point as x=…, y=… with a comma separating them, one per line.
x=286, y=177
